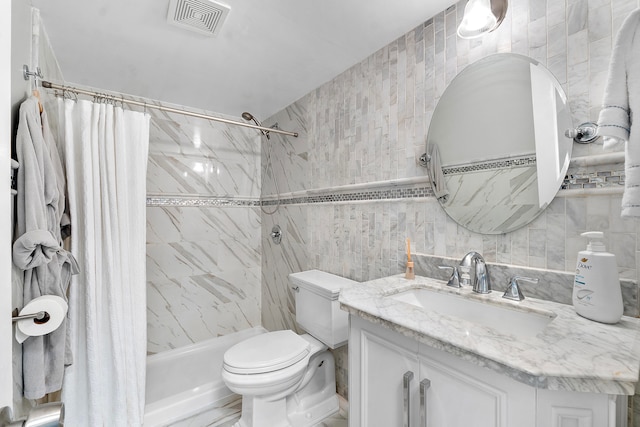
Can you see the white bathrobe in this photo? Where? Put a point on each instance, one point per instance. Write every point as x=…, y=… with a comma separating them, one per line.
x=38, y=249
x=621, y=102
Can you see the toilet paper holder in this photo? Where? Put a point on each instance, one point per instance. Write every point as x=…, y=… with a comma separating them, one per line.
x=39, y=317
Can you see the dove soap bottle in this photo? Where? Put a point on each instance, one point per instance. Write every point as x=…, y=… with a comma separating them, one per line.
x=596, y=288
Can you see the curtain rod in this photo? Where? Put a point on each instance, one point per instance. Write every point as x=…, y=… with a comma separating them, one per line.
x=50, y=85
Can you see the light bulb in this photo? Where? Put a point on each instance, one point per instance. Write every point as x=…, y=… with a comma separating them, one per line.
x=478, y=19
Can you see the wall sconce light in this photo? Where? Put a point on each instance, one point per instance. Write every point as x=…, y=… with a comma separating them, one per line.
x=481, y=17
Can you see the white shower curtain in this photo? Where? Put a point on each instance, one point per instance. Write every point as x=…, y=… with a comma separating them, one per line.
x=106, y=161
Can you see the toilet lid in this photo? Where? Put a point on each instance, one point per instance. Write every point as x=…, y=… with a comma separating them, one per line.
x=266, y=353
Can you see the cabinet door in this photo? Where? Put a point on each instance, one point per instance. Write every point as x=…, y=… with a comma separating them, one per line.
x=462, y=395
x=574, y=409
x=377, y=390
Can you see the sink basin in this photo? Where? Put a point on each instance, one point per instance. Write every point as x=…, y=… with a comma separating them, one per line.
x=502, y=319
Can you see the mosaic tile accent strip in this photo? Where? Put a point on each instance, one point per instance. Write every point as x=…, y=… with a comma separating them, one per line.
x=383, y=194
x=577, y=180
x=597, y=179
x=491, y=164
x=201, y=202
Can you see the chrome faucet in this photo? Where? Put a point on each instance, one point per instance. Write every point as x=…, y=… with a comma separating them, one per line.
x=478, y=272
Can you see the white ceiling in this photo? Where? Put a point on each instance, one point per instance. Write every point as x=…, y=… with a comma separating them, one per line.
x=268, y=53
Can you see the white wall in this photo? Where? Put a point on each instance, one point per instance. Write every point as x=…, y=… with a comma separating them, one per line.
x=5, y=251
x=16, y=51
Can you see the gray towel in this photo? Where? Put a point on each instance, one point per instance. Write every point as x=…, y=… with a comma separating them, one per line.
x=38, y=248
x=435, y=174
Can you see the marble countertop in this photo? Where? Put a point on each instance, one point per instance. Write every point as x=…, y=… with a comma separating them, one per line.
x=571, y=352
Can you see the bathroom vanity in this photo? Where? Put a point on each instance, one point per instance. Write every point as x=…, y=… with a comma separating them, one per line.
x=423, y=354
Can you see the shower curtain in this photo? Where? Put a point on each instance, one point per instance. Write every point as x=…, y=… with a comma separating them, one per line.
x=105, y=151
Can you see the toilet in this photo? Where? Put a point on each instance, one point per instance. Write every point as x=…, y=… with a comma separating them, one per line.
x=286, y=379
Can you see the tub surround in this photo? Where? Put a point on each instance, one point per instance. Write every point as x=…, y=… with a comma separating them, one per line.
x=203, y=230
x=571, y=353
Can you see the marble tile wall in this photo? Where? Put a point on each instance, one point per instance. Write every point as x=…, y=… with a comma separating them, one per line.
x=194, y=157
x=368, y=126
x=203, y=273
x=203, y=230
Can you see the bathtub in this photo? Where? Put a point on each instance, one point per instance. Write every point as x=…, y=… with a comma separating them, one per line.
x=186, y=381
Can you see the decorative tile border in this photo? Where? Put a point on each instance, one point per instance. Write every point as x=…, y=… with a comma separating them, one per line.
x=596, y=179
x=382, y=194
x=491, y=164
x=577, y=180
x=190, y=201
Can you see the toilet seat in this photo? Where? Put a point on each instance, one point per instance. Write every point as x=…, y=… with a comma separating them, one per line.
x=265, y=353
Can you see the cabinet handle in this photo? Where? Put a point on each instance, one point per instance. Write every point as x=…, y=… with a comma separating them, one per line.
x=406, y=382
x=424, y=386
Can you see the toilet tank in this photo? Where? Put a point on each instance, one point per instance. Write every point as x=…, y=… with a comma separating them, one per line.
x=317, y=307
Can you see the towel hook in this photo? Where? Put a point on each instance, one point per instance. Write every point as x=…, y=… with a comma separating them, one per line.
x=583, y=134
x=26, y=73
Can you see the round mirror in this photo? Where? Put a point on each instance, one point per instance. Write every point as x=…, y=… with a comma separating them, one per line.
x=498, y=153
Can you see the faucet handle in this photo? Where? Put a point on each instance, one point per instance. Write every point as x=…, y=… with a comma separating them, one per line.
x=454, y=280
x=513, y=291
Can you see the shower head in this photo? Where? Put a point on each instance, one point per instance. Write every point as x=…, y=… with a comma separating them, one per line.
x=249, y=117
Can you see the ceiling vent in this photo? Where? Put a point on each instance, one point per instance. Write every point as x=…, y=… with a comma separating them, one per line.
x=201, y=16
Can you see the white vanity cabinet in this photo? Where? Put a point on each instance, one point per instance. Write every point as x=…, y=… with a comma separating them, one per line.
x=397, y=381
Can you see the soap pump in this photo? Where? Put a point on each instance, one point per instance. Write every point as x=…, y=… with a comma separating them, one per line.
x=596, y=288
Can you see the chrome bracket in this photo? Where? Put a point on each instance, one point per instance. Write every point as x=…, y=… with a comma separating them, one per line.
x=424, y=159
x=583, y=134
x=26, y=73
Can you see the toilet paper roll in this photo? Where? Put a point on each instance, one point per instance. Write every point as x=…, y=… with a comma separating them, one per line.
x=56, y=308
